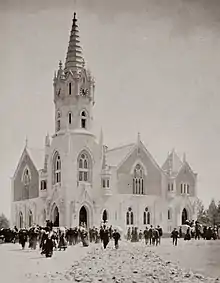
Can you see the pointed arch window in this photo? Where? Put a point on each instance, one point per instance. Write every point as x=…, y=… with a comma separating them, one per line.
x=169, y=214
x=84, y=167
x=70, y=88
x=26, y=182
x=83, y=119
x=145, y=216
x=138, y=180
x=58, y=121
x=148, y=217
x=130, y=217
x=56, y=168
x=70, y=118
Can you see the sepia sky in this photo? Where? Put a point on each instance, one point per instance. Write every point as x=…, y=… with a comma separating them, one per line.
x=157, y=70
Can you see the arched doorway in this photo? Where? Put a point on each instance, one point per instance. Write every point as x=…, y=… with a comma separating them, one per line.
x=184, y=216
x=20, y=220
x=83, y=216
x=56, y=217
x=104, y=216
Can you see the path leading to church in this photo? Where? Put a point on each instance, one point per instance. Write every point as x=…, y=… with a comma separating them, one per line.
x=131, y=263
x=21, y=266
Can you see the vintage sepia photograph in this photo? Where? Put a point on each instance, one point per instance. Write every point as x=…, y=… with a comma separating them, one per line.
x=110, y=141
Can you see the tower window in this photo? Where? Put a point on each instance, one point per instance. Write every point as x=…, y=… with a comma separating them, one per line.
x=70, y=88
x=70, y=118
x=43, y=185
x=103, y=183
x=84, y=168
x=56, y=169
x=83, y=119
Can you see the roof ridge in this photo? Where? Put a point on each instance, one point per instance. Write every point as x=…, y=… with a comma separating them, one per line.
x=119, y=147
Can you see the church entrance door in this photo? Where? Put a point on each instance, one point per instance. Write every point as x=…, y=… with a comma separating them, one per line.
x=83, y=216
x=56, y=217
x=104, y=216
x=184, y=216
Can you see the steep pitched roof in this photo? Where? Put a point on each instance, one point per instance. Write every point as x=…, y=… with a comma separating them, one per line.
x=37, y=156
x=115, y=155
x=172, y=164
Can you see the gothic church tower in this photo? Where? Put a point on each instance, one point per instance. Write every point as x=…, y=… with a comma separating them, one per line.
x=73, y=90
x=74, y=152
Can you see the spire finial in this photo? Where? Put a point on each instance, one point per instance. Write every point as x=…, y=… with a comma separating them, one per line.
x=26, y=142
x=138, y=137
x=74, y=16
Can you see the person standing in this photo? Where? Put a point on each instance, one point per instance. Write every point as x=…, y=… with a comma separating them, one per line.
x=105, y=235
x=151, y=234
x=174, y=235
x=160, y=231
x=116, y=236
x=146, y=235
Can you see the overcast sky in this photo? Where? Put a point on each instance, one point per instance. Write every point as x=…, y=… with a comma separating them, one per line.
x=157, y=70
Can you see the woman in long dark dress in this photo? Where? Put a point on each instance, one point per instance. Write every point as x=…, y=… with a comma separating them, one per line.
x=23, y=235
x=49, y=244
x=84, y=237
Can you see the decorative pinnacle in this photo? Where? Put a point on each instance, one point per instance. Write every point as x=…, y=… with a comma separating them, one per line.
x=74, y=58
x=60, y=65
x=26, y=142
x=184, y=157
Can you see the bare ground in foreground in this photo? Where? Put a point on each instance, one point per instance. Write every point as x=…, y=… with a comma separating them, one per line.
x=130, y=263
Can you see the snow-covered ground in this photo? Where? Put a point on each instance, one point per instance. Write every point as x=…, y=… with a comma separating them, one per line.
x=132, y=262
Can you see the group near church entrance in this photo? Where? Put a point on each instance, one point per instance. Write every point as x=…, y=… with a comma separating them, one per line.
x=77, y=179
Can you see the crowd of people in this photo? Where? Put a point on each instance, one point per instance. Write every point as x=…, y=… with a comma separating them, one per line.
x=194, y=230
x=150, y=235
x=50, y=238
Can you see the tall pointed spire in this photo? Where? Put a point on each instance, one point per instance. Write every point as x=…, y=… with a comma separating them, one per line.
x=74, y=58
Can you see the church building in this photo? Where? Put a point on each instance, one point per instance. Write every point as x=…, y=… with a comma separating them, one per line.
x=76, y=178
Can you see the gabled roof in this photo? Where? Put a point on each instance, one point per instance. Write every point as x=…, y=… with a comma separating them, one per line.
x=115, y=155
x=37, y=156
x=186, y=165
x=172, y=164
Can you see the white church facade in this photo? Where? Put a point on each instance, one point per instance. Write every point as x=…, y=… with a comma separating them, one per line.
x=76, y=178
